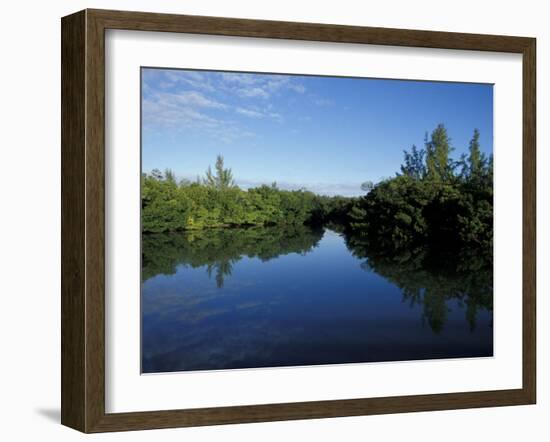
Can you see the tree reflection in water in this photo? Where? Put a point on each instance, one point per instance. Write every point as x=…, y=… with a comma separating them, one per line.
x=430, y=277
x=220, y=249
x=426, y=277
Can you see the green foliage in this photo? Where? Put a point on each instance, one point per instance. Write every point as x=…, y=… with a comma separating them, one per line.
x=216, y=201
x=367, y=186
x=428, y=203
x=169, y=176
x=414, y=163
x=222, y=179
x=476, y=159
x=438, y=150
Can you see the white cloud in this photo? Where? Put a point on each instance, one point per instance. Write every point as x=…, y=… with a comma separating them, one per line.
x=241, y=79
x=192, y=98
x=249, y=112
x=298, y=88
x=259, y=85
x=322, y=101
x=194, y=79
x=189, y=113
x=160, y=112
x=253, y=92
x=169, y=109
x=256, y=113
x=275, y=116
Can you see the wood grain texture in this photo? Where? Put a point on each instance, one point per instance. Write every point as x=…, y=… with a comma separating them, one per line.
x=145, y=21
x=308, y=410
x=73, y=254
x=95, y=222
x=529, y=220
x=83, y=220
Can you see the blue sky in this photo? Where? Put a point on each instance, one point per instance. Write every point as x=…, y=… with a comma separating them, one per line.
x=326, y=134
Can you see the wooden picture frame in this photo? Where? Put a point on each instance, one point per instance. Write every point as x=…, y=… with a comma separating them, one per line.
x=83, y=220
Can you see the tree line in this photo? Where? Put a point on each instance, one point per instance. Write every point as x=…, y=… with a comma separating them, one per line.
x=432, y=199
x=216, y=201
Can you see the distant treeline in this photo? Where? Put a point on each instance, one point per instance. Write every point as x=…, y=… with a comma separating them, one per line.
x=215, y=201
x=432, y=199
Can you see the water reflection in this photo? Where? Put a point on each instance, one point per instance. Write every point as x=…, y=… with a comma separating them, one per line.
x=239, y=298
x=431, y=278
x=219, y=249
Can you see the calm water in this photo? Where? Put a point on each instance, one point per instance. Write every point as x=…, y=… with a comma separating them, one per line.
x=270, y=297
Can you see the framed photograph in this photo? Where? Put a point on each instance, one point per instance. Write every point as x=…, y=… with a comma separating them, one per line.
x=269, y=220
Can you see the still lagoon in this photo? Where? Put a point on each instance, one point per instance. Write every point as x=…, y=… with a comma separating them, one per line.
x=272, y=297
